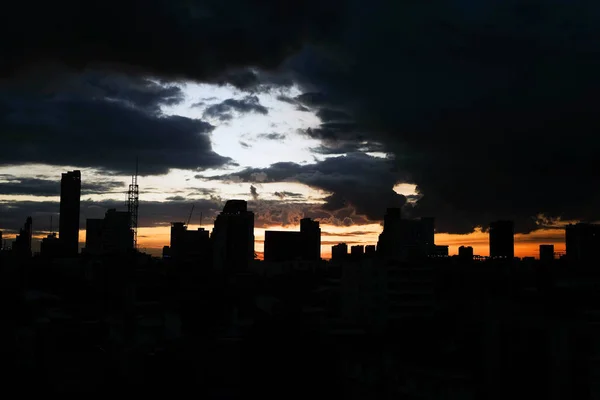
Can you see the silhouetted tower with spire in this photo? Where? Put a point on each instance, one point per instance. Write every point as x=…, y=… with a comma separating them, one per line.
x=22, y=243
x=133, y=200
x=68, y=225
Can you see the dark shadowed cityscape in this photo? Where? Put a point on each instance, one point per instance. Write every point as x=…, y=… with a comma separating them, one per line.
x=400, y=319
x=298, y=199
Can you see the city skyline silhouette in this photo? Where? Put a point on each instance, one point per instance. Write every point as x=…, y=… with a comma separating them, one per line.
x=287, y=199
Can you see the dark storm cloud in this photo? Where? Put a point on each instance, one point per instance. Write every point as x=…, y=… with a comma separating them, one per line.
x=46, y=187
x=224, y=111
x=349, y=234
x=489, y=107
x=271, y=213
x=272, y=136
x=175, y=198
x=356, y=182
x=104, y=122
x=347, y=146
x=201, y=40
x=284, y=194
x=290, y=100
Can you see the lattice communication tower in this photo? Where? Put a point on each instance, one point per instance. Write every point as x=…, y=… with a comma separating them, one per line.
x=133, y=202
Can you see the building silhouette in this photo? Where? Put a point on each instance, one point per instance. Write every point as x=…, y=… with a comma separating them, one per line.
x=233, y=237
x=370, y=250
x=339, y=252
x=51, y=246
x=546, y=252
x=311, y=234
x=111, y=235
x=68, y=231
x=502, y=239
x=188, y=244
x=287, y=246
x=402, y=238
x=283, y=246
x=22, y=244
x=582, y=242
x=357, y=251
x=465, y=253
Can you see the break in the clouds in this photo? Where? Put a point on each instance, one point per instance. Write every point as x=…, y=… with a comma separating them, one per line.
x=489, y=107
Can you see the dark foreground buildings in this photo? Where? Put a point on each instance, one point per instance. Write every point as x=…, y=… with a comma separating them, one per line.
x=233, y=237
x=583, y=242
x=502, y=240
x=70, y=192
x=22, y=244
x=408, y=238
x=188, y=244
x=287, y=246
x=111, y=235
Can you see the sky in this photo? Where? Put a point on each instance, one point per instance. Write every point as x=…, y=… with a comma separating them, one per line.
x=333, y=109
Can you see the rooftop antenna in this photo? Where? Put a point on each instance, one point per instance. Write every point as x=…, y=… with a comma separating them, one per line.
x=200, y=219
x=133, y=200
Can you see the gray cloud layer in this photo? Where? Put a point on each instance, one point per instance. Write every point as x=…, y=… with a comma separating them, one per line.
x=47, y=187
x=357, y=180
x=104, y=122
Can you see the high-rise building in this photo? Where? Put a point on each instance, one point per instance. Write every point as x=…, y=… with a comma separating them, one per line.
x=546, y=252
x=357, y=251
x=50, y=246
x=311, y=235
x=339, y=252
x=403, y=238
x=22, y=243
x=502, y=240
x=583, y=242
x=233, y=237
x=188, y=244
x=370, y=250
x=111, y=235
x=465, y=253
x=68, y=230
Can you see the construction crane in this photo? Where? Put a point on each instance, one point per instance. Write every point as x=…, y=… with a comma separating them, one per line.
x=190, y=217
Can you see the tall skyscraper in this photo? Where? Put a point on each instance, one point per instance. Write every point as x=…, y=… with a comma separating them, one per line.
x=403, y=238
x=546, y=252
x=68, y=228
x=311, y=234
x=465, y=253
x=22, y=243
x=233, y=237
x=583, y=242
x=502, y=240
